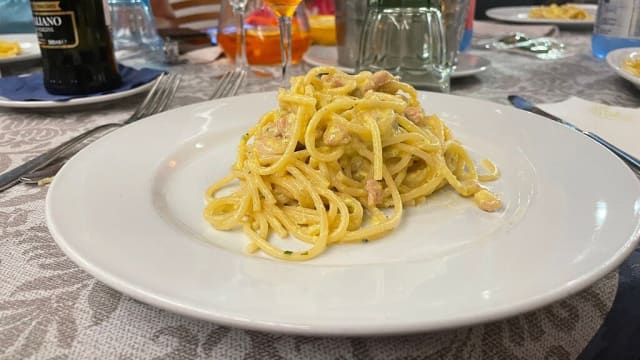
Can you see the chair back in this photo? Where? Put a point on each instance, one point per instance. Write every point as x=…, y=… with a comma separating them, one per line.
x=197, y=14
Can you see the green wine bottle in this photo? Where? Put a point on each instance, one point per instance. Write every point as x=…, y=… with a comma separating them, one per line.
x=75, y=42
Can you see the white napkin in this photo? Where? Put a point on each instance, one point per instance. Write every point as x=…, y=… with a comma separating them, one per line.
x=618, y=125
x=202, y=56
x=489, y=29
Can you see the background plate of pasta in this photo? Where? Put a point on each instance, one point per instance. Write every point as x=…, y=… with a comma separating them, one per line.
x=18, y=47
x=345, y=205
x=626, y=63
x=567, y=15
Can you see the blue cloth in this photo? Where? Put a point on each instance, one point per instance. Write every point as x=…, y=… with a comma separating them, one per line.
x=31, y=87
x=619, y=336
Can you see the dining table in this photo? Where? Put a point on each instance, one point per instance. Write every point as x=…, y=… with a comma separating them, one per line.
x=52, y=309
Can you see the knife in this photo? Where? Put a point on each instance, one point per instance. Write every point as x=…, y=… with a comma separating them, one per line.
x=524, y=104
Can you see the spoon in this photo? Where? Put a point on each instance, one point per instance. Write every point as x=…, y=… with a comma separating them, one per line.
x=48, y=171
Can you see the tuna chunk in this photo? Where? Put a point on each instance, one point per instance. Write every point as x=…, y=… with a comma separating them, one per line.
x=377, y=80
x=374, y=188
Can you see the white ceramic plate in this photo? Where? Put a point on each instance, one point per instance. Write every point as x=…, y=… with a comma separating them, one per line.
x=520, y=14
x=616, y=58
x=468, y=64
x=90, y=100
x=28, y=44
x=128, y=209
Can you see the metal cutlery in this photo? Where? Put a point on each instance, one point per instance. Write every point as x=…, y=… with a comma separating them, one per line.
x=35, y=177
x=228, y=86
x=523, y=104
x=501, y=42
x=49, y=170
x=157, y=100
x=509, y=40
x=545, y=47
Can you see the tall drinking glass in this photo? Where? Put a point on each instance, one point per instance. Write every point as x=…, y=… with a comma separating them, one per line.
x=284, y=9
x=135, y=38
x=406, y=38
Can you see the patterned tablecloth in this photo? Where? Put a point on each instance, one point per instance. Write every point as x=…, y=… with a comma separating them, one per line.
x=51, y=309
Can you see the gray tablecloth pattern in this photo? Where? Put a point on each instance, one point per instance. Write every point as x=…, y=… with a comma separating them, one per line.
x=51, y=309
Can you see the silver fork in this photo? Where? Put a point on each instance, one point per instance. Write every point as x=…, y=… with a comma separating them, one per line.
x=157, y=100
x=229, y=83
x=228, y=86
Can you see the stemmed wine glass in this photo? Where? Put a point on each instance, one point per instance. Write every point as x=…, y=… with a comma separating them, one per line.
x=238, y=7
x=284, y=9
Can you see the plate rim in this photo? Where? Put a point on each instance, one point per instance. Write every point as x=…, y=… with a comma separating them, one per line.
x=454, y=75
x=89, y=100
x=613, y=55
x=460, y=74
x=226, y=319
x=21, y=58
x=490, y=13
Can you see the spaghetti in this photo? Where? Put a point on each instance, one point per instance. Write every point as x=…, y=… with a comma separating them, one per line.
x=9, y=49
x=339, y=149
x=632, y=65
x=553, y=11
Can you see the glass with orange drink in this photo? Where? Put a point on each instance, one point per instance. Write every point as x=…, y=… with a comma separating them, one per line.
x=285, y=10
x=262, y=35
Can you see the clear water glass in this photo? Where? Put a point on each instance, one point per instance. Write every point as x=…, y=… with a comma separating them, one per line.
x=135, y=36
x=407, y=39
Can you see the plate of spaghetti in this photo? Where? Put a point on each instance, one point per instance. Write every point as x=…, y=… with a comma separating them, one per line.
x=566, y=15
x=18, y=47
x=345, y=205
x=626, y=63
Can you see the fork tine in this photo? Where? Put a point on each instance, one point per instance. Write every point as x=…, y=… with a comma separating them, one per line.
x=218, y=91
x=152, y=101
x=172, y=93
x=238, y=82
x=156, y=103
x=163, y=97
x=152, y=93
x=227, y=84
x=167, y=96
x=148, y=102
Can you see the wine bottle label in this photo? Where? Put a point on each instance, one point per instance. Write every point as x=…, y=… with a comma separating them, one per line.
x=55, y=27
